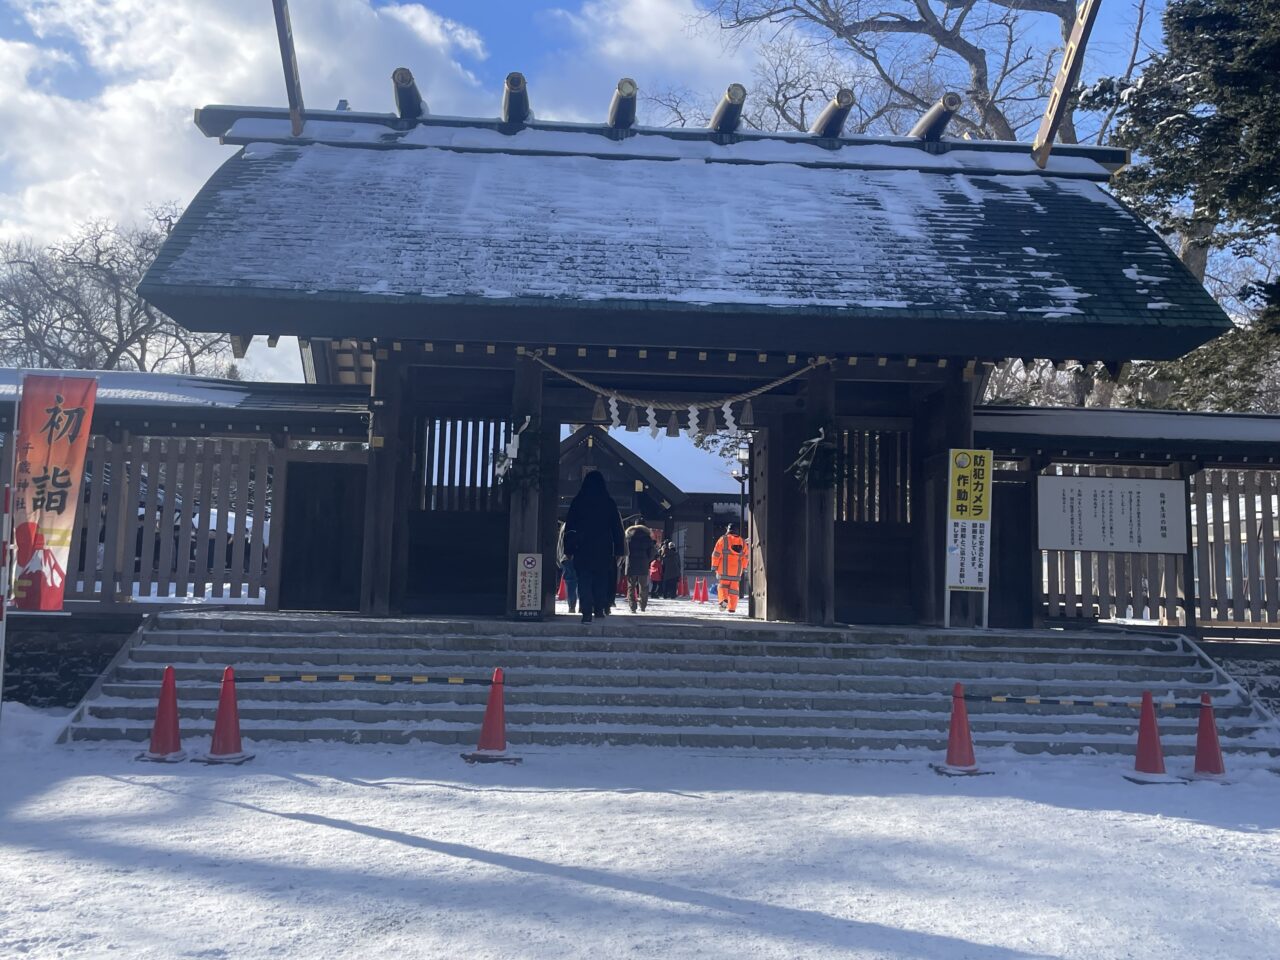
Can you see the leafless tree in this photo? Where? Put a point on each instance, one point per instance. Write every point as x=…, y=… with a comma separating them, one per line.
x=73, y=305
x=916, y=48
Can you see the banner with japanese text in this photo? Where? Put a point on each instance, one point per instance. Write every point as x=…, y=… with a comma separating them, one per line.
x=969, y=512
x=54, y=417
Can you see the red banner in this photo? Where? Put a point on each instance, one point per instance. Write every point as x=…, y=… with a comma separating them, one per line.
x=53, y=435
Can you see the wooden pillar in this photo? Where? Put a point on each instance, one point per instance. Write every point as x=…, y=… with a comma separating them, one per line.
x=383, y=503
x=779, y=507
x=758, y=603
x=524, y=522
x=819, y=501
x=1185, y=471
x=941, y=420
x=549, y=506
x=1036, y=559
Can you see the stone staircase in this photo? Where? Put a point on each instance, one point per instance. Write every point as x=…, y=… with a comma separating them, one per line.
x=666, y=681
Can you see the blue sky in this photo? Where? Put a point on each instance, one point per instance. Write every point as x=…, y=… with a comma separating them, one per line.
x=96, y=96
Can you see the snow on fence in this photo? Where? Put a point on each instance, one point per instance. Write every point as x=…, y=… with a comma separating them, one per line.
x=173, y=519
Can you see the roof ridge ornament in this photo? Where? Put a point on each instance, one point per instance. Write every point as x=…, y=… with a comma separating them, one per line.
x=728, y=115
x=622, y=109
x=515, y=100
x=831, y=121
x=933, y=123
x=409, y=102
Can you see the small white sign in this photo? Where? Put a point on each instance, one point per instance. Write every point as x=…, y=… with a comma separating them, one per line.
x=528, y=585
x=968, y=555
x=1112, y=514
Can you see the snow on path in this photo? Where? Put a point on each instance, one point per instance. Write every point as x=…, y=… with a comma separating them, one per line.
x=330, y=851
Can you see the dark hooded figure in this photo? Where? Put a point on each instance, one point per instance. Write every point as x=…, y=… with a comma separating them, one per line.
x=593, y=538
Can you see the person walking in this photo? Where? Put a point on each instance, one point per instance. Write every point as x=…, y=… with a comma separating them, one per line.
x=568, y=571
x=671, y=569
x=640, y=553
x=593, y=541
x=729, y=560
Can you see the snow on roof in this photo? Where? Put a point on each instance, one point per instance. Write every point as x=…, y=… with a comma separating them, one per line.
x=471, y=215
x=657, y=144
x=129, y=388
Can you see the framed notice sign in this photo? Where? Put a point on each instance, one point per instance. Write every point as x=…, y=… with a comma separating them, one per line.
x=528, y=586
x=1119, y=514
x=969, y=527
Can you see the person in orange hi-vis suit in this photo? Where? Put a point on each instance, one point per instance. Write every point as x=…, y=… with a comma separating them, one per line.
x=729, y=560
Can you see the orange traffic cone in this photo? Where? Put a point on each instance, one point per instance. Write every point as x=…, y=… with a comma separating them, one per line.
x=493, y=730
x=166, y=741
x=226, y=747
x=702, y=597
x=682, y=588
x=1148, y=766
x=960, y=759
x=563, y=592
x=1208, y=750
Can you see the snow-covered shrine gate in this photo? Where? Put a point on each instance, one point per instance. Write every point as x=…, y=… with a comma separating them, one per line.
x=684, y=266
x=219, y=441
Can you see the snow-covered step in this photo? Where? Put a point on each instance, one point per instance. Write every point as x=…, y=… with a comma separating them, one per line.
x=802, y=684
x=960, y=664
x=659, y=682
x=729, y=736
x=522, y=715
x=938, y=701
x=333, y=652
x=564, y=640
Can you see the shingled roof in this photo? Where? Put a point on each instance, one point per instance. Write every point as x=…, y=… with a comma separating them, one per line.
x=561, y=233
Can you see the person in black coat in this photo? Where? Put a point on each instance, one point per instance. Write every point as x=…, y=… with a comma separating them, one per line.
x=593, y=539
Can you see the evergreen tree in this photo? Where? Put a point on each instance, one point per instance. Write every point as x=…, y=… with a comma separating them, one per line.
x=1203, y=121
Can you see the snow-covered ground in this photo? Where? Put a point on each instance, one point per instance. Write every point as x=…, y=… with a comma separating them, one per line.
x=324, y=851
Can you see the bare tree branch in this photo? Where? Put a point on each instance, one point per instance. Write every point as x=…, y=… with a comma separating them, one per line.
x=73, y=305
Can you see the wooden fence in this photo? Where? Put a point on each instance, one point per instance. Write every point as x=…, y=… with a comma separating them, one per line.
x=1107, y=585
x=173, y=518
x=1234, y=562
x=1234, y=531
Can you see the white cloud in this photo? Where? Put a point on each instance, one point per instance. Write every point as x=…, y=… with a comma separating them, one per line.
x=131, y=143
x=661, y=44
x=436, y=30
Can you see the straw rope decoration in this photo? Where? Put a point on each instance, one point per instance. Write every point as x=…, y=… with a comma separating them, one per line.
x=643, y=403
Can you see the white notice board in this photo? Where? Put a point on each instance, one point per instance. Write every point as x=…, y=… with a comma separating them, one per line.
x=1117, y=514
